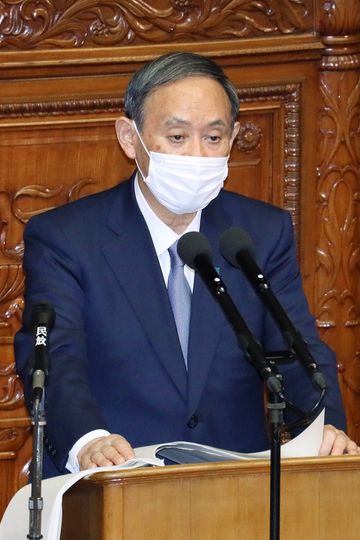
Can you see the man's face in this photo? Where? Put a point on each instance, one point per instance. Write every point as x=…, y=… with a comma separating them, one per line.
x=188, y=117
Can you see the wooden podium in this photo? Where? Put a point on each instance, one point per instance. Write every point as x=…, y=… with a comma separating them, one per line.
x=320, y=500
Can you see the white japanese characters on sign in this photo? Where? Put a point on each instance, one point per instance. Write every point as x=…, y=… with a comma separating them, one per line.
x=41, y=335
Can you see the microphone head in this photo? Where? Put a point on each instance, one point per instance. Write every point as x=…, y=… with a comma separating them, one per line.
x=232, y=241
x=43, y=314
x=191, y=245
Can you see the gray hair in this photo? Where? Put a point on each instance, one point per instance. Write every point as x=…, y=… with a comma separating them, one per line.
x=173, y=67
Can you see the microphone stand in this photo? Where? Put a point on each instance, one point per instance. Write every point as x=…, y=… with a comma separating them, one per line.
x=35, y=500
x=276, y=406
x=277, y=402
x=275, y=409
x=42, y=320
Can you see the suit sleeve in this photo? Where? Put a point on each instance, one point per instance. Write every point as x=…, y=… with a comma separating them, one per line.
x=53, y=274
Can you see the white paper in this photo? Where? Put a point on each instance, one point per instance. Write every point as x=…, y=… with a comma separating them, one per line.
x=15, y=522
x=307, y=444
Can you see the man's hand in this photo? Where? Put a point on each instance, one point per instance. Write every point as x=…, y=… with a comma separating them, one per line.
x=105, y=451
x=335, y=443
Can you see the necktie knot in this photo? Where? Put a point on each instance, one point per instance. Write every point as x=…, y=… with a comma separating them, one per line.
x=175, y=259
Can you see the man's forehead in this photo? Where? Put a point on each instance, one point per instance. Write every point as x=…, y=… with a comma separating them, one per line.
x=179, y=102
x=196, y=85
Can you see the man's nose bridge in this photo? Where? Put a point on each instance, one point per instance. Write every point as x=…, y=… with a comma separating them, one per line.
x=198, y=146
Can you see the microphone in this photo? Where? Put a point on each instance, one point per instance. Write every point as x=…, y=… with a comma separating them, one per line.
x=194, y=249
x=236, y=247
x=42, y=321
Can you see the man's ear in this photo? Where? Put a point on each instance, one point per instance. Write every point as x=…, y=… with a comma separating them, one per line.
x=235, y=131
x=126, y=135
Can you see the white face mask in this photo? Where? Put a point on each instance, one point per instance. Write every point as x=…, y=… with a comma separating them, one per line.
x=184, y=184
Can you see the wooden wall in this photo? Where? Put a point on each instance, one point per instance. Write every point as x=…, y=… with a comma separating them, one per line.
x=64, y=66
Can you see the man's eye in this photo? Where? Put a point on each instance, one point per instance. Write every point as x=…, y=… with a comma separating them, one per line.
x=176, y=138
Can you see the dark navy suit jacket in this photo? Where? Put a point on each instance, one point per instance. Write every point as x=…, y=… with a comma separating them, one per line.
x=116, y=361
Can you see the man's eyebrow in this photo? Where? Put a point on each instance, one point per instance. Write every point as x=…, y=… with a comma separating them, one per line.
x=175, y=121
x=217, y=123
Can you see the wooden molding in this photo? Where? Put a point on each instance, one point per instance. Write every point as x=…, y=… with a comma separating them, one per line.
x=64, y=107
x=289, y=95
x=59, y=24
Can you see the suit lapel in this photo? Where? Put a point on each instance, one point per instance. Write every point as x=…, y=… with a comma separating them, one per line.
x=128, y=249
x=207, y=319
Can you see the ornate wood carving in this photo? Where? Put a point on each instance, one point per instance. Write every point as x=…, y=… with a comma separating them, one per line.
x=339, y=18
x=249, y=137
x=11, y=395
x=13, y=438
x=11, y=276
x=56, y=108
x=338, y=272
x=26, y=24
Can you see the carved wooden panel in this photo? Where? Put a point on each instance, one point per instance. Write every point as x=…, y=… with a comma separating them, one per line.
x=26, y=24
x=64, y=67
x=338, y=289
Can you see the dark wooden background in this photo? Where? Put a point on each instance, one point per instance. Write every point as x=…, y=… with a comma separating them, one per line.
x=64, y=66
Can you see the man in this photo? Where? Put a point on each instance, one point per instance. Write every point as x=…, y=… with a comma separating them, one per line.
x=119, y=376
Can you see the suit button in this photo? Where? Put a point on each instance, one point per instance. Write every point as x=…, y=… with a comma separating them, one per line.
x=193, y=421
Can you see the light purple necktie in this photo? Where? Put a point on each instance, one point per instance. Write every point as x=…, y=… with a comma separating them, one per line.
x=180, y=298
